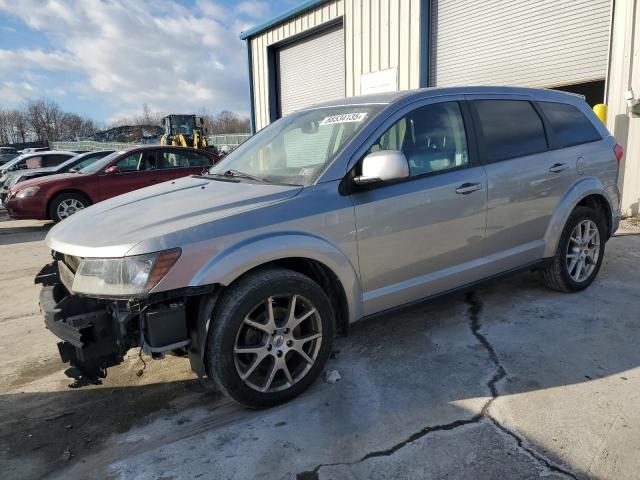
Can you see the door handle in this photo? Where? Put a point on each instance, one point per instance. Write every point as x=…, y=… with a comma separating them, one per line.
x=558, y=167
x=467, y=188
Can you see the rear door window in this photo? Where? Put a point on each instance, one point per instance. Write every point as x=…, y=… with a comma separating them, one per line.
x=182, y=159
x=199, y=160
x=570, y=125
x=509, y=129
x=31, y=162
x=53, y=160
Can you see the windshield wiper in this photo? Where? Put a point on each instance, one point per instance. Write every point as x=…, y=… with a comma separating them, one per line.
x=239, y=174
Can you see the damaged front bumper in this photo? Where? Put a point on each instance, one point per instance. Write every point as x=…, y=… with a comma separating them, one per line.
x=97, y=333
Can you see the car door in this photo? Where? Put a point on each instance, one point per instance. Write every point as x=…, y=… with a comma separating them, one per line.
x=423, y=235
x=525, y=179
x=134, y=170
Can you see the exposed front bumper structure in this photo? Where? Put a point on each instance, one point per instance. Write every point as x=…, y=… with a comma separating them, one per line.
x=96, y=334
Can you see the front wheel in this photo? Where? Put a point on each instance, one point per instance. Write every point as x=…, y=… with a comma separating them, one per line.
x=65, y=205
x=579, y=254
x=270, y=337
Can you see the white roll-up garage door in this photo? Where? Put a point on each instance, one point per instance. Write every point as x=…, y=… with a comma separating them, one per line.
x=311, y=70
x=519, y=42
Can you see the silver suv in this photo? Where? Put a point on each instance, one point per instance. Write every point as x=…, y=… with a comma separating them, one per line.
x=330, y=215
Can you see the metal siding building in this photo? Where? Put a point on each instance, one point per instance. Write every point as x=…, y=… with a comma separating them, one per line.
x=376, y=34
x=522, y=43
x=327, y=49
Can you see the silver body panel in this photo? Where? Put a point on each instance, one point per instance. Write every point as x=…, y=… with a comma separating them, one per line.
x=387, y=246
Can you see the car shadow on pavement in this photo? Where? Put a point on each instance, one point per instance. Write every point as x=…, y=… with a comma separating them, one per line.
x=22, y=231
x=420, y=380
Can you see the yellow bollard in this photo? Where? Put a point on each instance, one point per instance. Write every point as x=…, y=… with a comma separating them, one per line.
x=601, y=112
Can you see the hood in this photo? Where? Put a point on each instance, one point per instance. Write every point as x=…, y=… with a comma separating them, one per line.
x=44, y=180
x=34, y=171
x=113, y=227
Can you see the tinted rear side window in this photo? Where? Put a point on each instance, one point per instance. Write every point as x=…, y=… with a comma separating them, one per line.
x=569, y=124
x=53, y=160
x=509, y=128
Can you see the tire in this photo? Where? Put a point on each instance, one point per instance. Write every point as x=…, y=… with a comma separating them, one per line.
x=65, y=205
x=559, y=275
x=241, y=322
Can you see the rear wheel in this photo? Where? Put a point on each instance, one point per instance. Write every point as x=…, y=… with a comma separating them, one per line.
x=579, y=254
x=65, y=205
x=270, y=337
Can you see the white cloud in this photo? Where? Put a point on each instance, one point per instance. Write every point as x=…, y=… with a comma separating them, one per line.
x=126, y=53
x=15, y=92
x=253, y=8
x=23, y=58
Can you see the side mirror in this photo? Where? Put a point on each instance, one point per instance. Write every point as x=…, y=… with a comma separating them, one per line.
x=383, y=166
x=112, y=169
x=201, y=120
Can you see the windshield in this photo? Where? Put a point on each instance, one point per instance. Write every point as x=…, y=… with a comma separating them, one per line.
x=7, y=166
x=297, y=149
x=82, y=160
x=102, y=163
x=181, y=124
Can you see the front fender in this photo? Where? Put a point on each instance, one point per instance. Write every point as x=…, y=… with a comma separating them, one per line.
x=583, y=188
x=238, y=259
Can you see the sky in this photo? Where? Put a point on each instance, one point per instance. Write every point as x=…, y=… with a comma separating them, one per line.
x=106, y=58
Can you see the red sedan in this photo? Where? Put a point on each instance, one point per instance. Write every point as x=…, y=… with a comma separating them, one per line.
x=57, y=196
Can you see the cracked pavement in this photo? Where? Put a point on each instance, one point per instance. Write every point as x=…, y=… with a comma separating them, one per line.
x=508, y=381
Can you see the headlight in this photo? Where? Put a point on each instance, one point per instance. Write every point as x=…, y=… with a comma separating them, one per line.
x=123, y=277
x=15, y=179
x=27, y=192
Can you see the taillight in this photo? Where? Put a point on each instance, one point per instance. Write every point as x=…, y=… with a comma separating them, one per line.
x=619, y=151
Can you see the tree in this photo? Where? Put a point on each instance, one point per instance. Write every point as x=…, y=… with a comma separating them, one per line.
x=42, y=119
x=226, y=122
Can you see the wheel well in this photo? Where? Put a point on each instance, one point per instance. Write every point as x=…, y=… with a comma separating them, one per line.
x=325, y=278
x=600, y=205
x=61, y=192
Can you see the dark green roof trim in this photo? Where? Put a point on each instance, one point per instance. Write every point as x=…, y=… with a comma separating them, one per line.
x=303, y=7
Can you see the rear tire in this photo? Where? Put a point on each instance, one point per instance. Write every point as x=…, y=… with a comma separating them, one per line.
x=65, y=205
x=579, y=254
x=270, y=337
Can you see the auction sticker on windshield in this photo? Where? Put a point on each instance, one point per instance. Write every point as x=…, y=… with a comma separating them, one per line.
x=344, y=118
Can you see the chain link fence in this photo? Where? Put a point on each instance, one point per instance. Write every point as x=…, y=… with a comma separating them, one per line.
x=228, y=141
x=81, y=146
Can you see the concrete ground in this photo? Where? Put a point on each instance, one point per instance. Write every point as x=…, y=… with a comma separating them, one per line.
x=510, y=381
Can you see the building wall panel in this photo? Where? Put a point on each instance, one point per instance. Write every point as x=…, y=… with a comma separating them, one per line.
x=383, y=34
x=520, y=42
x=379, y=34
x=323, y=13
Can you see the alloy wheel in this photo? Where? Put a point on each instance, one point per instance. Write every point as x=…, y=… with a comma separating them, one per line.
x=278, y=343
x=583, y=250
x=68, y=207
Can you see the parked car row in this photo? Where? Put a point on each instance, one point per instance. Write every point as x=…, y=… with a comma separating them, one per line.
x=77, y=162
x=7, y=154
x=90, y=178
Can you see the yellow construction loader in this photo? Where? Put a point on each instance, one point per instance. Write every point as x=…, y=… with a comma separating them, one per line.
x=182, y=131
